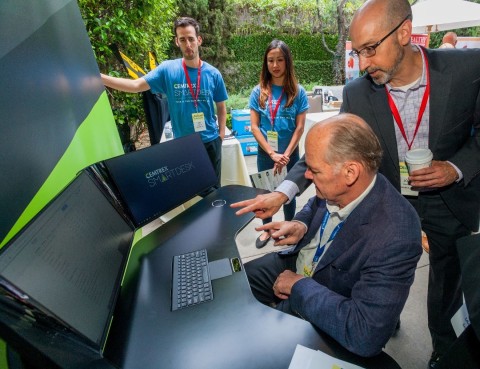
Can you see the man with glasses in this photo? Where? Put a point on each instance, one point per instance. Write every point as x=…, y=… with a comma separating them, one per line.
x=415, y=98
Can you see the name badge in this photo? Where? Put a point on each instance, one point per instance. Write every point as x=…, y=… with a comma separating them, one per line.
x=272, y=139
x=199, y=122
x=405, y=187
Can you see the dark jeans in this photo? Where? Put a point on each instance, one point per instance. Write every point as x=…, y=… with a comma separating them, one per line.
x=214, y=151
x=264, y=162
x=444, y=296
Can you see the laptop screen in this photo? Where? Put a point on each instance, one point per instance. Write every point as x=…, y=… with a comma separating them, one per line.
x=70, y=260
x=156, y=179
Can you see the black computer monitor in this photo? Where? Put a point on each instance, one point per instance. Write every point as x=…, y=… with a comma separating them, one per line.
x=67, y=263
x=156, y=179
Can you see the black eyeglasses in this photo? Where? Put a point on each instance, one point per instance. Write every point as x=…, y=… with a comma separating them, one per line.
x=369, y=51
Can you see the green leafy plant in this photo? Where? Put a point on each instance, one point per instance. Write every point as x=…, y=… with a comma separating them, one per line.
x=135, y=27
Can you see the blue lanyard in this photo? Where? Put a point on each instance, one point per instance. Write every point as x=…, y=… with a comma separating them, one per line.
x=321, y=248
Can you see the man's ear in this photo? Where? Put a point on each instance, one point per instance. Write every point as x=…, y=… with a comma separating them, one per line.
x=176, y=41
x=405, y=34
x=351, y=172
x=199, y=40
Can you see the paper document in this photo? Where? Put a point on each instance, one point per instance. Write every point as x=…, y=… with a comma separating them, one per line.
x=265, y=180
x=461, y=320
x=305, y=358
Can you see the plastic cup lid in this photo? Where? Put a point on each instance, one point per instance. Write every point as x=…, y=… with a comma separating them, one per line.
x=418, y=156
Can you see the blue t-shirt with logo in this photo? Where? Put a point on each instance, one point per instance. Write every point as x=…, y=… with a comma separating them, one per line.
x=285, y=119
x=169, y=78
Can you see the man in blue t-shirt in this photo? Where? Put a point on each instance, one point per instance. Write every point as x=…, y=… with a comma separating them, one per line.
x=192, y=108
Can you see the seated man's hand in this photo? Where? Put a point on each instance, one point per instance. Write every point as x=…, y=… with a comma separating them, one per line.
x=284, y=233
x=440, y=174
x=284, y=283
x=264, y=206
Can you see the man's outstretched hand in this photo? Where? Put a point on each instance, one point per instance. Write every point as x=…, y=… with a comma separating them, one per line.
x=264, y=206
x=284, y=233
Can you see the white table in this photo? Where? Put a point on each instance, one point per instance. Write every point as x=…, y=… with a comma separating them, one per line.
x=311, y=119
x=234, y=167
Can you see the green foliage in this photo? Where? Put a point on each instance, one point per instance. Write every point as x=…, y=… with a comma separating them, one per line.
x=303, y=46
x=290, y=16
x=216, y=18
x=136, y=27
x=309, y=71
x=241, y=77
x=312, y=61
x=238, y=101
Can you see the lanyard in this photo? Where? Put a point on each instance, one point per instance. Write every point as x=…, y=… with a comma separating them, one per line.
x=423, y=106
x=273, y=113
x=189, y=82
x=321, y=248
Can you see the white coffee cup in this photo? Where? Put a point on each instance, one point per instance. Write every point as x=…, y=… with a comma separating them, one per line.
x=418, y=159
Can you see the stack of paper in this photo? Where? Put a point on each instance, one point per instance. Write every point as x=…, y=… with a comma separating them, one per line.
x=305, y=358
x=266, y=180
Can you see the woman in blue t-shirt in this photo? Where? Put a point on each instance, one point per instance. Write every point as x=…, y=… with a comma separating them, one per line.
x=278, y=107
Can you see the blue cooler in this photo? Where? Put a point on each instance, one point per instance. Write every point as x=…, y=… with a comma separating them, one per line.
x=249, y=144
x=241, y=122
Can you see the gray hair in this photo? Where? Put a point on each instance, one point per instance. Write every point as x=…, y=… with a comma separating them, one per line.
x=353, y=139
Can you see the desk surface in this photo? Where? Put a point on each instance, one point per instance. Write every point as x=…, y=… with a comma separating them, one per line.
x=232, y=331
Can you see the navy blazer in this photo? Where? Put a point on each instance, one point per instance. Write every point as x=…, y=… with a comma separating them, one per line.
x=361, y=284
x=454, y=121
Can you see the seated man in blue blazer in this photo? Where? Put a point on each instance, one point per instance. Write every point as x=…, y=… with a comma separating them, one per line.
x=357, y=241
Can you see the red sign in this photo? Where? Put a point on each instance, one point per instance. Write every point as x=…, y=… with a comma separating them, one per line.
x=420, y=39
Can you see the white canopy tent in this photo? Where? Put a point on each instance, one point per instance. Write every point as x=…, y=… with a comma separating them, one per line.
x=442, y=15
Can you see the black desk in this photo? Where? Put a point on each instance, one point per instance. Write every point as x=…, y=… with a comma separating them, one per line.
x=232, y=331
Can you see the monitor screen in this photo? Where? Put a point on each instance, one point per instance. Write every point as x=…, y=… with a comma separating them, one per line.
x=156, y=179
x=70, y=259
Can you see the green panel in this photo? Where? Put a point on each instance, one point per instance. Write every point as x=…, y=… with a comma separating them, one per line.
x=3, y=355
x=96, y=139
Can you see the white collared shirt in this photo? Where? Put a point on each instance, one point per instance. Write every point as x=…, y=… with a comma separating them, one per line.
x=337, y=215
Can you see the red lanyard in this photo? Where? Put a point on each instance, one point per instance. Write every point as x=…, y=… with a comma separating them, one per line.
x=189, y=82
x=273, y=113
x=423, y=106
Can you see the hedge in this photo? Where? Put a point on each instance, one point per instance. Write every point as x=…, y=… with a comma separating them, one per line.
x=241, y=77
x=303, y=46
x=312, y=62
